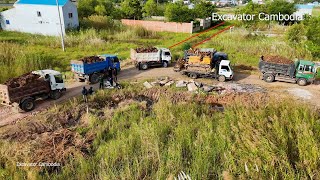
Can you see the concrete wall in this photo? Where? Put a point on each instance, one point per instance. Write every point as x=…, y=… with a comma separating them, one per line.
x=160, y=25
x=24, y=18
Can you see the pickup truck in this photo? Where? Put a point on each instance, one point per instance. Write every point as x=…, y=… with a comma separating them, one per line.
x=91, y=71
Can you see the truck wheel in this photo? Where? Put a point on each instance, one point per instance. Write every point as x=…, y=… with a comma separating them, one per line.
x=94, y=78
x=222, y=78
x=55, y=95
x=27, y=105
x=268, y=78
x=165, y=64
x=144, y=66
x=302, y=82
x=193, y=75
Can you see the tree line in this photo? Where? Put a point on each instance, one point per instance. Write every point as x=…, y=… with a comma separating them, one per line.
x=136, y=9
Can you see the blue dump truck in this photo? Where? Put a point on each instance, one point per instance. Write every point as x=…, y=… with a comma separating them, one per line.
x=90, y=68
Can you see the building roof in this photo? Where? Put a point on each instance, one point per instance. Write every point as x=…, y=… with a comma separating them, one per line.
x=43, y=2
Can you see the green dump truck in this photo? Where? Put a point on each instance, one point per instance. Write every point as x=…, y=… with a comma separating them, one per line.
x=301, y=72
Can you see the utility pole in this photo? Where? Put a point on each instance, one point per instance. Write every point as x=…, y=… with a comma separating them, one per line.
x=61, y=34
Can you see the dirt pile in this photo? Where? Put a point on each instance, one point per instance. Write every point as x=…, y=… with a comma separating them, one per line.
x=58, y=146
x=91, y=59
x=277, y=59
x=199, y=52
x=23, y=132
x=146, y=49
x=22, y=80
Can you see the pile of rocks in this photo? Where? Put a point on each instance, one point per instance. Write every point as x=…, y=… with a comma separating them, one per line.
x=194, y=86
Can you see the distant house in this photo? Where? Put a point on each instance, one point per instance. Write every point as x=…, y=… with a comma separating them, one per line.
x=40, y=17
x=303, y=9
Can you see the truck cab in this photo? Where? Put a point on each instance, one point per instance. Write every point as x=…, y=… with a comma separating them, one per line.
x=56, y=81
x=113, y=59
x=225, y=70
x=306, y=71
x=165, y=57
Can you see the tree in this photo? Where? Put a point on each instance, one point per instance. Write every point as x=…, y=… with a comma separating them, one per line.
x=252, y=9
x=177, y=12
x=150, y=8
x=281, y=6
x=131, y=9
x=204, y=10
x=100, y=10
x=296, y=34
x=313, y=35
x=86, y=7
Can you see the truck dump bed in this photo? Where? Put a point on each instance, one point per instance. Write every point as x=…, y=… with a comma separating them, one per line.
x=81, y=67
x=9, y=95
x=144, y=57
x=277, y=68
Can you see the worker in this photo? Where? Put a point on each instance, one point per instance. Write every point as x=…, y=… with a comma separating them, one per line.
x=91, y=91
x=114, y=74
x=85, y=94
x=110, y=76
x=101, y=80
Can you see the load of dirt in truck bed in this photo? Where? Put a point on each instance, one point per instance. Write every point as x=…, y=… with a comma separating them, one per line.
x=146, y=49
x=198, y=52
x=277, y=59
x=22, y=80
x=91, y=59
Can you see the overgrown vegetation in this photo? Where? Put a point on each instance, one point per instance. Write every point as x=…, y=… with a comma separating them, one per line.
x=306, y=35
x=137, y=134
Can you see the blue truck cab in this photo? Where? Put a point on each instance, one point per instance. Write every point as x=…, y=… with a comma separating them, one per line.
x=91, y=72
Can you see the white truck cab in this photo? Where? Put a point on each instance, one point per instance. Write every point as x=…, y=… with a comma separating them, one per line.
x=166, y=55
x=55, y=78
x=225, y=69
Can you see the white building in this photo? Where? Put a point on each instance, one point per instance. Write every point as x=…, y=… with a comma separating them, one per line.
x=40, y=17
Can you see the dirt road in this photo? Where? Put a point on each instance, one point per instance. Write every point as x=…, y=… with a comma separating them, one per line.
x=310, y=93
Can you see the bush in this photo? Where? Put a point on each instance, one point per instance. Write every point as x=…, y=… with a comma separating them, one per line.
x=100, y=22
x=296, y=34
x=177, y=12
x=131, y=9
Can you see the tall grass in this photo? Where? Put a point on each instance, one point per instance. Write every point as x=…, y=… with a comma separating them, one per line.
x=262, y=140
x=16, y=60
x=244, y=47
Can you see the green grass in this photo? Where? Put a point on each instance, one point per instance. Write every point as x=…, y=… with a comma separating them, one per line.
x=252, y=139
x=316, y=11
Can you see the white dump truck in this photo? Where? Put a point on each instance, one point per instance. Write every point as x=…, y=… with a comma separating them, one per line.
x=26, y=89
x=148, y=57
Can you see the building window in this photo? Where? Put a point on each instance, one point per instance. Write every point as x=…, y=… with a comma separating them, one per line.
x=39, y=13
x=7, y=22
x=70, y=15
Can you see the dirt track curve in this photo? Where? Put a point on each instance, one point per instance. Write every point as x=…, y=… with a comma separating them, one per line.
x=310, y=93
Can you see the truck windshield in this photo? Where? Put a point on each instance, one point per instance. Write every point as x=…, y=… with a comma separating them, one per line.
x=308, y=68
x=58, y=78
x=167, y=53
x=115, y=59
x=225, y=68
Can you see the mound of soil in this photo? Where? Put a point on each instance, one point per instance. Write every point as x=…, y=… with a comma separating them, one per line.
x=22, y=80
x=91, y=59
x=277, y=59
x=198, y=52
x=146, y=49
